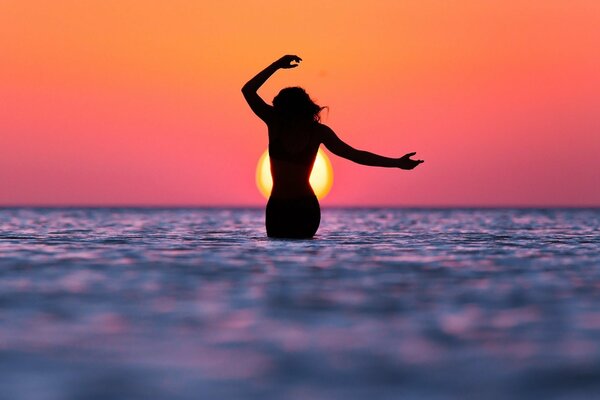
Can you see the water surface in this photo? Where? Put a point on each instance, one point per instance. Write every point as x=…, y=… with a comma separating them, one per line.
x=385, y=303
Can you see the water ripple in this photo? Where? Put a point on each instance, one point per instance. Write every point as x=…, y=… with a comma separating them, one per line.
x=172, y=304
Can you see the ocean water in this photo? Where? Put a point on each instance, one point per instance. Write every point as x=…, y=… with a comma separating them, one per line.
x=382, y=304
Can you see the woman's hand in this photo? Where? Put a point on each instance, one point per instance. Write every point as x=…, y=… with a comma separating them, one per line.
x=287, y=61
x=405, y=162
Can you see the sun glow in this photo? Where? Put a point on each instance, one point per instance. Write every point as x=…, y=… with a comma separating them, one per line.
x=321, y=177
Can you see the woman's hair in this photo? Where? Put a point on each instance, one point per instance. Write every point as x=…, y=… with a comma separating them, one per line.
x=293, y=103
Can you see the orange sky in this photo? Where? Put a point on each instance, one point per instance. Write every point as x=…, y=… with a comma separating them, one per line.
x=139, y=103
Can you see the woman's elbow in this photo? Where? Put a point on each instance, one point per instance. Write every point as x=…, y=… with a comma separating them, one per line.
x=246, y=89
x=247, y=93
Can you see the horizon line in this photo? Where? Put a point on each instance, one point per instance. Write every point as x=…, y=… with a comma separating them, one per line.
x=344, y=206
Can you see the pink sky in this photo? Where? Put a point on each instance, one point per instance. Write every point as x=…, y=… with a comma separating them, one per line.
x=139, y=103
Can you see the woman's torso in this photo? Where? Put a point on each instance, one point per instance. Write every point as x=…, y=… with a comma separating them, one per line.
x=292, y=151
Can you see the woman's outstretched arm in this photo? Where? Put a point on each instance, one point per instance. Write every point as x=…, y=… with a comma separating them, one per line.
x=342, y=149
x=250, y=89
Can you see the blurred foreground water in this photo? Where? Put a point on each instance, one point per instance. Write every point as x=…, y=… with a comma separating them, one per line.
x=383, y=304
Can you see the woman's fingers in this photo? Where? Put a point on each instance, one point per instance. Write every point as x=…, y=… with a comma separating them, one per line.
x=289, y=61
x=408, y=163
x=295, y=59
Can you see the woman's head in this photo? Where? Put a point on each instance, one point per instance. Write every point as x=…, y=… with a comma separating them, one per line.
x=294, y=103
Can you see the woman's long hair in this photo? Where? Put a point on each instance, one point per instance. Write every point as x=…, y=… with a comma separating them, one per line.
x=294, y=104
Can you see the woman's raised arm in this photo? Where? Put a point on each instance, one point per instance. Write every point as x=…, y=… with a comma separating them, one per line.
x=250, y=89
x=342, y=149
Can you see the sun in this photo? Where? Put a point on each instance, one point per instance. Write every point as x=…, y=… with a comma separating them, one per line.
x=321, y=177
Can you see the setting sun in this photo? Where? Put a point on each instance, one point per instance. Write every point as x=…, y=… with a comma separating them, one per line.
x=321, y=177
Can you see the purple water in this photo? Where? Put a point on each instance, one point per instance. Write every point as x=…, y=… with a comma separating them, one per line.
x=383, y=304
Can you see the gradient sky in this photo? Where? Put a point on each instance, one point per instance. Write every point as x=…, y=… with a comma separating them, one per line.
x=138, y=102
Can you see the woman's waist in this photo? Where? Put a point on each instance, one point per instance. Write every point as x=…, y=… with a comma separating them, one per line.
x=289, y=189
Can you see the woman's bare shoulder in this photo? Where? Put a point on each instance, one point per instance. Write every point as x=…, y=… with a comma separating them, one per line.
x=323, y=130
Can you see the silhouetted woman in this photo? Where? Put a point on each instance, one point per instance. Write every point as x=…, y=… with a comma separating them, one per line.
x=295, y=134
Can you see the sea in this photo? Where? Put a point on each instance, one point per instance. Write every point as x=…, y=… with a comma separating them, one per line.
x=384, y=303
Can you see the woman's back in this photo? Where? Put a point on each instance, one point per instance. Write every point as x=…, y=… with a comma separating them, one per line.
x=292, y=150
